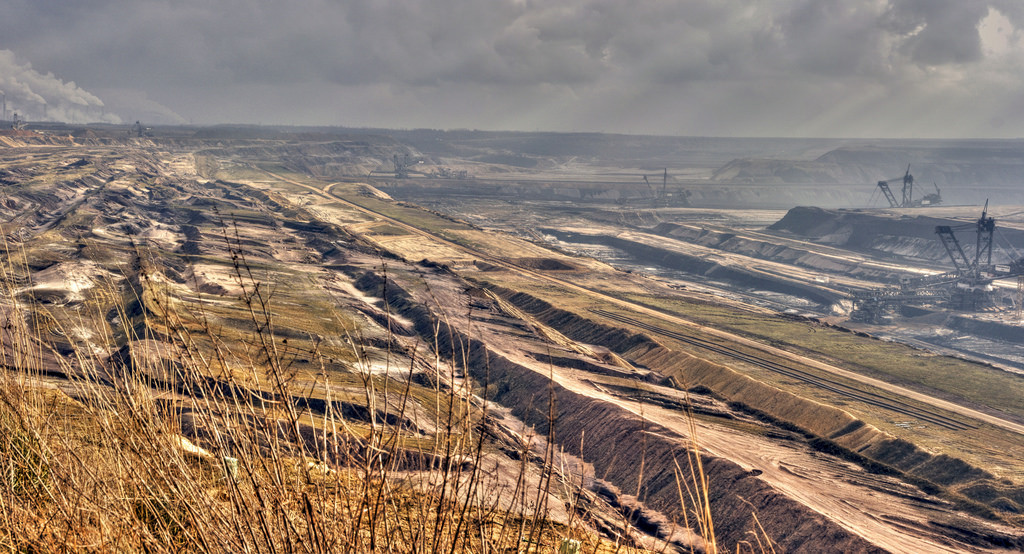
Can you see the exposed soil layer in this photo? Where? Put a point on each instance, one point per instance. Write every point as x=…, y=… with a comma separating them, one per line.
x=547, y=264
x=834, y=429
x=706, y=268
x=986, y=328
x=883, y=233
x=327, y=159
x=966, y=171
x=526, y=352
x=604, y=435
x=775, y=251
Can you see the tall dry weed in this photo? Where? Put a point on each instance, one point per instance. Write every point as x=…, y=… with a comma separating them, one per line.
x=159, y=433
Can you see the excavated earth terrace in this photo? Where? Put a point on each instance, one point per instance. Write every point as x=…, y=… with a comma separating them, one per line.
x=801, y=427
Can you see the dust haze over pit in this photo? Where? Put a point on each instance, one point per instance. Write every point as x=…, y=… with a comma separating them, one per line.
x=901, y=68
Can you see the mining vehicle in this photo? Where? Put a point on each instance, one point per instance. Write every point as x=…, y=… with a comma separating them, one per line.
x=967, y=287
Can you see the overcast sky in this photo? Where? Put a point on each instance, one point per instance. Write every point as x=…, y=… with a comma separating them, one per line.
x=849, y=68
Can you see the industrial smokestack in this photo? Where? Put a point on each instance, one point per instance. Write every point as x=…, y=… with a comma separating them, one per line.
x=3, y=114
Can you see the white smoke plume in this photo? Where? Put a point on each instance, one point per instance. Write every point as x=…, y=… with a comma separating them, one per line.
x=43, y=97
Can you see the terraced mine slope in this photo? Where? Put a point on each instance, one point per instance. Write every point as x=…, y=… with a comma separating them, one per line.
x=543, y=394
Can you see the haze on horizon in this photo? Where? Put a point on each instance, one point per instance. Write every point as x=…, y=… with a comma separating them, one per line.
x=810, y=68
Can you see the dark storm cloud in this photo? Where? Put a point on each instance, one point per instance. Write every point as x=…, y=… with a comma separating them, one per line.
x=693, y=67
x=234, y=41
x=938, y=31
x=836, y=38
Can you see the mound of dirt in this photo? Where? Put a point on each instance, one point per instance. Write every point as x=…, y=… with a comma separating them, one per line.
x=881, y=232
x=545, y=264
x=991, y=329
x=484, y=266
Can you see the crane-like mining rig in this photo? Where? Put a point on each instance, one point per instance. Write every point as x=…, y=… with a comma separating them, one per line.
x=664, y=198
x=968, y=287
x=907, y=197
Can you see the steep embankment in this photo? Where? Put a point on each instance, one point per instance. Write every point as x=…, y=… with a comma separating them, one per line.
x=966, y=171
x=987, y=328
x=605, y=435
x=882, y=233
x=328, y=160
x=830, y=429
x=775, y=251
x=701, y=266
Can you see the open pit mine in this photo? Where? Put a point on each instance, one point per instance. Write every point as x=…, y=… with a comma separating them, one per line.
x=665, y=344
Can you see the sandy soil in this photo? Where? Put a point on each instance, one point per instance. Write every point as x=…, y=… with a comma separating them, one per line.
x=886, y=512
x=890, y=514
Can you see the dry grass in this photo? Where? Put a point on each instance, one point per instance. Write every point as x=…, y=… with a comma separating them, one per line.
x=200, y=446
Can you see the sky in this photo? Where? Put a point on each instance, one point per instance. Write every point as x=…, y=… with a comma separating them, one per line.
x=785, y=68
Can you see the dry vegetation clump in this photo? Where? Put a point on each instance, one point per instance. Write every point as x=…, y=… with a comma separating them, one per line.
x=116, y=445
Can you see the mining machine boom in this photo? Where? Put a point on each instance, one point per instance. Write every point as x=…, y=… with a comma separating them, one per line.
x=906, y=199
x=884, y=186
x=967, y=287
x=908, y=190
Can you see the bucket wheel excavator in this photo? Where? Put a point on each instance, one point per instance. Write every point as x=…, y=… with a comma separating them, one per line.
x=967, y=287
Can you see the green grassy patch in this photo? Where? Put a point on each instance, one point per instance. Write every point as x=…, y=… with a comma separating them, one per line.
x=893, y=362
x=417, y=217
